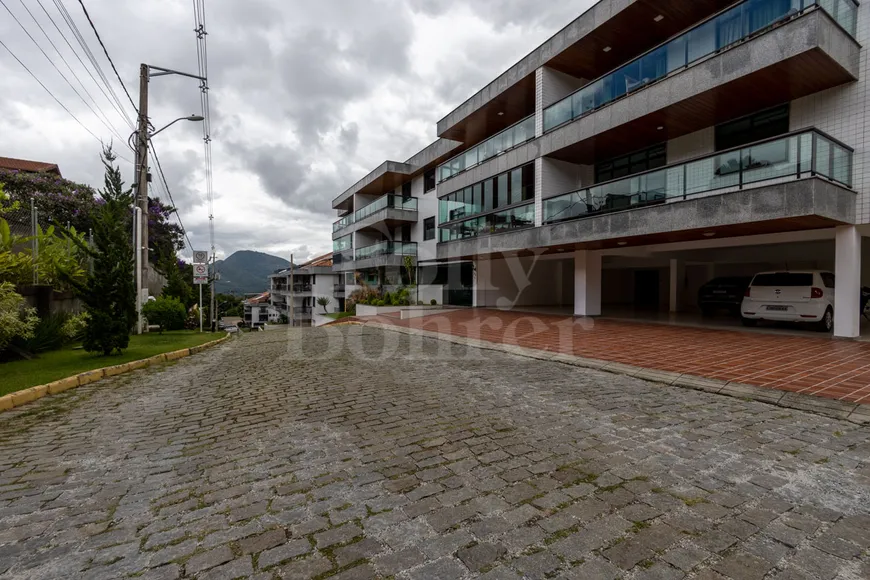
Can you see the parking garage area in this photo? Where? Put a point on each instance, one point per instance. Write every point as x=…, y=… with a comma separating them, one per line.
x=698, y=283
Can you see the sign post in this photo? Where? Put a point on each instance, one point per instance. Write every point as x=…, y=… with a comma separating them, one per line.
x=200, y=277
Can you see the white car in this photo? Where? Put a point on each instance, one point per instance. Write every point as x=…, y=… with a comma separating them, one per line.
x=793, y=296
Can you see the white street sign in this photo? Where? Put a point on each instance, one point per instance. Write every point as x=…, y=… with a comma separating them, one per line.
x=200, y=257
x=200, y=280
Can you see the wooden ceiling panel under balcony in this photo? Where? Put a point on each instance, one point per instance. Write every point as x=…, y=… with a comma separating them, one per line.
x=629, y=34
x=802, y=75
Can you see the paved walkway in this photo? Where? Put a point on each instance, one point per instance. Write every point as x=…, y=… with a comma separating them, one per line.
x=813, y=366
x=354, y=453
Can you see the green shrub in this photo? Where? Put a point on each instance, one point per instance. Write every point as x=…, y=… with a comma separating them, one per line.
x=388, y=299
x=16, y=319
x=166, y=311
x=381, y=303
x=433, y=302
x=419, y=303
x=48, y=334
x=74, y=328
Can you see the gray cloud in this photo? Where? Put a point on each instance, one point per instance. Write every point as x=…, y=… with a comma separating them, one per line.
x=298, y=93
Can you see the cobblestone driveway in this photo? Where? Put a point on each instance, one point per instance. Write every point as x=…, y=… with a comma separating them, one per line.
x=267, y=461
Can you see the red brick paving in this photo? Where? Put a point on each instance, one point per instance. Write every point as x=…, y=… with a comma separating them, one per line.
x=814, y=366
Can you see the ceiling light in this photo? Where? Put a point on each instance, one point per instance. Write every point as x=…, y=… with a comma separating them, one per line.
x=501, y=113
x=659, y=18
x=709, y=234
x=622, y=243
x=659, y=128
x=607, y=49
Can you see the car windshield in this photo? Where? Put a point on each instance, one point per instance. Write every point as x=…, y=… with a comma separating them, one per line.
x=783, y=279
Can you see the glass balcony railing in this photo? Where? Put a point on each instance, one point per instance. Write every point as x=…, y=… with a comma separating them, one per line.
x=514, y=218
x=509, y=138
x=387, y=248
x=342, y=257
x=388, y=201
x=732, y=26
x=343, y=223
x=783, y=159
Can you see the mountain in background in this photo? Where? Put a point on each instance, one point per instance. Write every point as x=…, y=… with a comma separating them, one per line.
x=247, y=272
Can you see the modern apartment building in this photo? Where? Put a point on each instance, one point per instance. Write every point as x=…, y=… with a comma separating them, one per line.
x=300, y=286
x=644, y=149
x=259, y=311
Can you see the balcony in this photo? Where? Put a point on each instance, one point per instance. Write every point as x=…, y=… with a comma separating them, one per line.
x=809, y=153
x=386, y=253
x=390, y=210
x=343, y=260
x=801, y=54
x=300, y=288
x=338, y=290
x=515, y=218
x=716, y=34
x=511, y=137
x=794, y=182
x=302, y=312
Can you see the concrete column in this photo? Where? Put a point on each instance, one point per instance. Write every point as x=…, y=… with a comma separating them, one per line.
x=587, y=283
x=847, y=296
x=678, y=277
x=539, y=102
x=539, y=192
x=482, y=282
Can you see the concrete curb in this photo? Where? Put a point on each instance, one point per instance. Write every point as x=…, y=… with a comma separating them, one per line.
x=19, y=398
x=852, y=412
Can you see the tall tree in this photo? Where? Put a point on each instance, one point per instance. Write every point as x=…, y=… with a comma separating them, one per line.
x=109, y=294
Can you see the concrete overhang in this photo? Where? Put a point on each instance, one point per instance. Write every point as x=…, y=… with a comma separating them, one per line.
x=382, y=221
x=805, y=204
x=803, y=56
x=625, y=28
x=388, y=176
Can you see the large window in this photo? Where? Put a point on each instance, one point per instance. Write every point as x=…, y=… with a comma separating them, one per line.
x=429, y=229
x=756, y=127
x=636, y=162
x=504, y=190
x=429, y=180
x=406, y=189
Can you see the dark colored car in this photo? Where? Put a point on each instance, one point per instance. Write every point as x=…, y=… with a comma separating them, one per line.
x=725, y=293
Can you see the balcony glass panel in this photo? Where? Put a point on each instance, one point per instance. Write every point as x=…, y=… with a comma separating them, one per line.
x=343, y=243
x=343, y=223
x=511, y=219
x=729, y=27
x=789, y=157
x=495, y=145
x=387, y=248
x=388, y=201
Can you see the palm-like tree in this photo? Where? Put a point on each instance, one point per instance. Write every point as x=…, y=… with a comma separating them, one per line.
x=324, y=301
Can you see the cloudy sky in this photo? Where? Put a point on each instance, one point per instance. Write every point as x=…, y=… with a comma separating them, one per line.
x=306, y=96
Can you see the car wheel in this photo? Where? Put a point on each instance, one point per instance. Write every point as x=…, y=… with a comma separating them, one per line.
x=749, y=322
x=826, y=324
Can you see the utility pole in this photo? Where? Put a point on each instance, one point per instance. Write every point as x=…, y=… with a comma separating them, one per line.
x=142, y=182
x=212, y=313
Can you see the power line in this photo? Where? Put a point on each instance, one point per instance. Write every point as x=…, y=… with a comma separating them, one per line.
x=114, y=103
x=100, y=141
x=202, y=61
x=106, y=52
x=169, y=193
x=51, y=62
x=71, y=24
x=75, y=76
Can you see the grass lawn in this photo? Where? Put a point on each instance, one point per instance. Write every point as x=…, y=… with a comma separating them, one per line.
x=59, y=364
x=339, y=315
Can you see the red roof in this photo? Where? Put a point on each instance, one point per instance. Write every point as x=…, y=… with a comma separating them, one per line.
x=324, y=261
x=28, y=166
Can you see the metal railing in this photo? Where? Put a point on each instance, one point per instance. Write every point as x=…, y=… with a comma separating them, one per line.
x=802, y=154
x=387, y=248
x=715, y=34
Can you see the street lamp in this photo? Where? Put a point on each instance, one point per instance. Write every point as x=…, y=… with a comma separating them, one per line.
x=192, y=118
x=140, y=220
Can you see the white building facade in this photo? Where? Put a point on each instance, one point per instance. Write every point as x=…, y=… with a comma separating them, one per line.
x=646, y=148
x=295, y=291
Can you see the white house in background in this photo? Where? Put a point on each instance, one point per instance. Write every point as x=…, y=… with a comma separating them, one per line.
x=643, y=150
x=301, y=286
x=259, y=311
